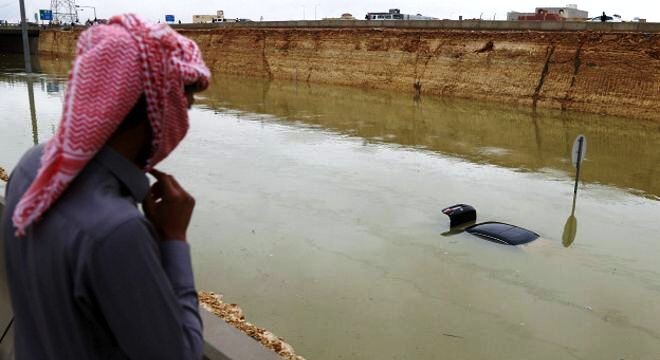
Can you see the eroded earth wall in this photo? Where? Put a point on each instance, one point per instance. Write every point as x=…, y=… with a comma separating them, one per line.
x=597, y=72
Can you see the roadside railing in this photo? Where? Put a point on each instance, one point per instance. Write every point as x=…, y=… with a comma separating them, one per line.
x=489, y=25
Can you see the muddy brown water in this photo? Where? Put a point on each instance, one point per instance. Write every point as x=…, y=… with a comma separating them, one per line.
x=319, y=213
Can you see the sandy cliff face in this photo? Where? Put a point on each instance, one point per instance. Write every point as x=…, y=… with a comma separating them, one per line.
x=58, y=43
x=609, y=73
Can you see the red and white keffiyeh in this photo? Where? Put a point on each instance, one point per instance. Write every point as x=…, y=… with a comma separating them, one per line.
x=115, y=64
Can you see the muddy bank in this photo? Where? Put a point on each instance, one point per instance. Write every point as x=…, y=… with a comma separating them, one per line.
x=595, y=72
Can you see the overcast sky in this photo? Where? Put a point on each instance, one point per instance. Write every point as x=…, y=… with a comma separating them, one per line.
x=296, y=9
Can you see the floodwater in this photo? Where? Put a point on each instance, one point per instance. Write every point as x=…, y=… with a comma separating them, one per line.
x=319, y=213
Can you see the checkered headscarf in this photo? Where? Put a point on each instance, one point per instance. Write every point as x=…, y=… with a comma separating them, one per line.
x=115, y=65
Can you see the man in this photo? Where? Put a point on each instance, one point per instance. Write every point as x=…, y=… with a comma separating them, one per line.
x=90, y=276
x=604, y=18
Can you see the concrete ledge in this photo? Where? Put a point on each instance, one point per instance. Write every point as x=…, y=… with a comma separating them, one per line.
x=5, y=305
x=221, y=340
x=6, y=313
x=224, y=342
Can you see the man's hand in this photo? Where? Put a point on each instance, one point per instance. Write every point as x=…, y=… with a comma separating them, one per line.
x=168, y=207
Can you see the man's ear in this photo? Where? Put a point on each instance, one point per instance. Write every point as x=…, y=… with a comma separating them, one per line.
x=190, y=91
x=190, y=97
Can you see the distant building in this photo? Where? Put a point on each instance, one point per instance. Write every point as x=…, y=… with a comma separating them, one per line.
x=204, y=19
x=515, y=15
x=568, y=13
x=395, y=14
x=539, y=15
x=344, y=16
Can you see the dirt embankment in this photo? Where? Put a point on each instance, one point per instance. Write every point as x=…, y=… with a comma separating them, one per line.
x=608, y=73
x=58, y=43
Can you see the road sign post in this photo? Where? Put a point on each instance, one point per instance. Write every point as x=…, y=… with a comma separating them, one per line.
x=577, y=156
x=169, y=19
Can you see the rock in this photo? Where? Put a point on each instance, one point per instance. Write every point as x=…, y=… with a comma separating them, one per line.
x=3, y=175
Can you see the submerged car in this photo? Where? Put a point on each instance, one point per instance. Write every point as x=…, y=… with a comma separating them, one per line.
x=462, y=217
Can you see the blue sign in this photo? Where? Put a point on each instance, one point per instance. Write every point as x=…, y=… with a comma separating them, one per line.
x=45, y=15
x=169, y=18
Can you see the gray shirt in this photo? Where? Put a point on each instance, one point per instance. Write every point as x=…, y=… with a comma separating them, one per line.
x=90, y=280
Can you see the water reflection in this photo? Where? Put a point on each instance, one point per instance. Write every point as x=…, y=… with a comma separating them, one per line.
x=47, y=85
x=570, y=228
x=624, y=152
x=14, y=63
x=32, y=105
x=53, y=87
x=33, y=111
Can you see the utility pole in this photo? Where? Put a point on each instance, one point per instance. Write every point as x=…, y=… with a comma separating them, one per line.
x=26, y=39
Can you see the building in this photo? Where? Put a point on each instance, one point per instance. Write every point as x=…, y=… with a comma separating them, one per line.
x=204, y=19
x=344, y=16
x=395, y=14
x=539, y=15
x=568, y=13
x=515, y=15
